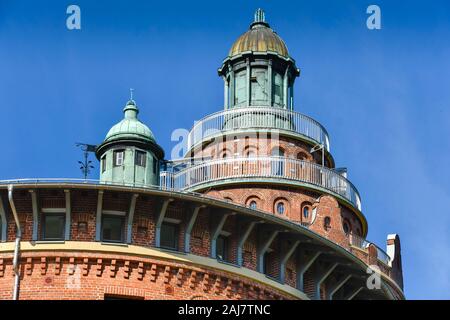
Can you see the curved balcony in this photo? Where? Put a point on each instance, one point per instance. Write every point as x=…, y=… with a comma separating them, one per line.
x=210, y=172
x=188, y=195
x=363, y=244
x=248, y=118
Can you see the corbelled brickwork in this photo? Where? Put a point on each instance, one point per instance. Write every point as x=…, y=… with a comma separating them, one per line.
x=60, y=275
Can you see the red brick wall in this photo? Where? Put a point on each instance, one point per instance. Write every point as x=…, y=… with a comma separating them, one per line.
x=329, y=207
x=84, y=208
x=325, y=206
x=143, y=231
x=262, y=146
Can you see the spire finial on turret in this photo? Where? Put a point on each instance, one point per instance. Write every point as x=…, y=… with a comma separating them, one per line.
x=260, y=15
x=131, y=110
x=260, y=19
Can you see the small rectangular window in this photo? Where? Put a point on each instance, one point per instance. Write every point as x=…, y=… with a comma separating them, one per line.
x=53, y=226
x=169, y=236
x=119, y=156
x=103, y=164
x=222, y=248
x=112, y=228
x=140, y=158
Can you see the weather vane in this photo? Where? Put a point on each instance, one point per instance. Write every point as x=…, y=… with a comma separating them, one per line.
x=86, y=165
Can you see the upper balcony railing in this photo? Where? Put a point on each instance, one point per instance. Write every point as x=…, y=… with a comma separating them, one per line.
x=279, y=168
x=246, y=118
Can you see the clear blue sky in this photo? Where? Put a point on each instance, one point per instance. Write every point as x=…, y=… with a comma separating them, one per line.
x=383, y=95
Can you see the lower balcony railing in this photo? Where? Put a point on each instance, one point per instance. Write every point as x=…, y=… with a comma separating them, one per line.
x=280, y=166
x=193, y=176
x=363, y=244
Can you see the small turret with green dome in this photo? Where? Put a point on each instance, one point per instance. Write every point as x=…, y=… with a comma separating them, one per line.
x=129, y=154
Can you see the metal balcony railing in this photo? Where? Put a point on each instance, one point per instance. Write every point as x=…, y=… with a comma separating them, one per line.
x=363, y=244
x=168, y=182
x=257, y=118
x=261, y=167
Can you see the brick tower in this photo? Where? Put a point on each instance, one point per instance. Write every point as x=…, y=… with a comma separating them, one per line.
x=255, y=210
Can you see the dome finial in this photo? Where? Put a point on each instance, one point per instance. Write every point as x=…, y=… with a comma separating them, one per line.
x=131, y=111
x=260, y=16
x=260, y=19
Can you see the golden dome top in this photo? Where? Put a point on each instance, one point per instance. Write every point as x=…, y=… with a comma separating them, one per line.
x=260, y=38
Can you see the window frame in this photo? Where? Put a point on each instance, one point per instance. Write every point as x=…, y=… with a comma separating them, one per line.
x=115, y=157
x=176, y=233
x=327, y=223
x=277, y=206
x=103, y=163
x=122, y=231
x=45, y=215
x=306, y=216
x=137, y=155
x=347, y=224
x=225, y=241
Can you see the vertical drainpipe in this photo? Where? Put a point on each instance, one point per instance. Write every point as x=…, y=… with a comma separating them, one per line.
x=16, y=266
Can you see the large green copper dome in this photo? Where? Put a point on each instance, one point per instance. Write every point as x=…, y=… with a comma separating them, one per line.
x=130, y=127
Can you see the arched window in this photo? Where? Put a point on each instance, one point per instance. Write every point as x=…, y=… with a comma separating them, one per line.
x=306, y=212
x=327, y=223
x=253, y=205
x=280, y=208
x=346, y=227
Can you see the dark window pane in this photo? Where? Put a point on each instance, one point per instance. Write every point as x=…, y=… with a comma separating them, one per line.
x=140, y=158
x=169, y=236
x=112, y=228
x=104, y=164
x=155, y=165
x=280, y=208
x=222, y=248
x=305, y=212
x=53, y=228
